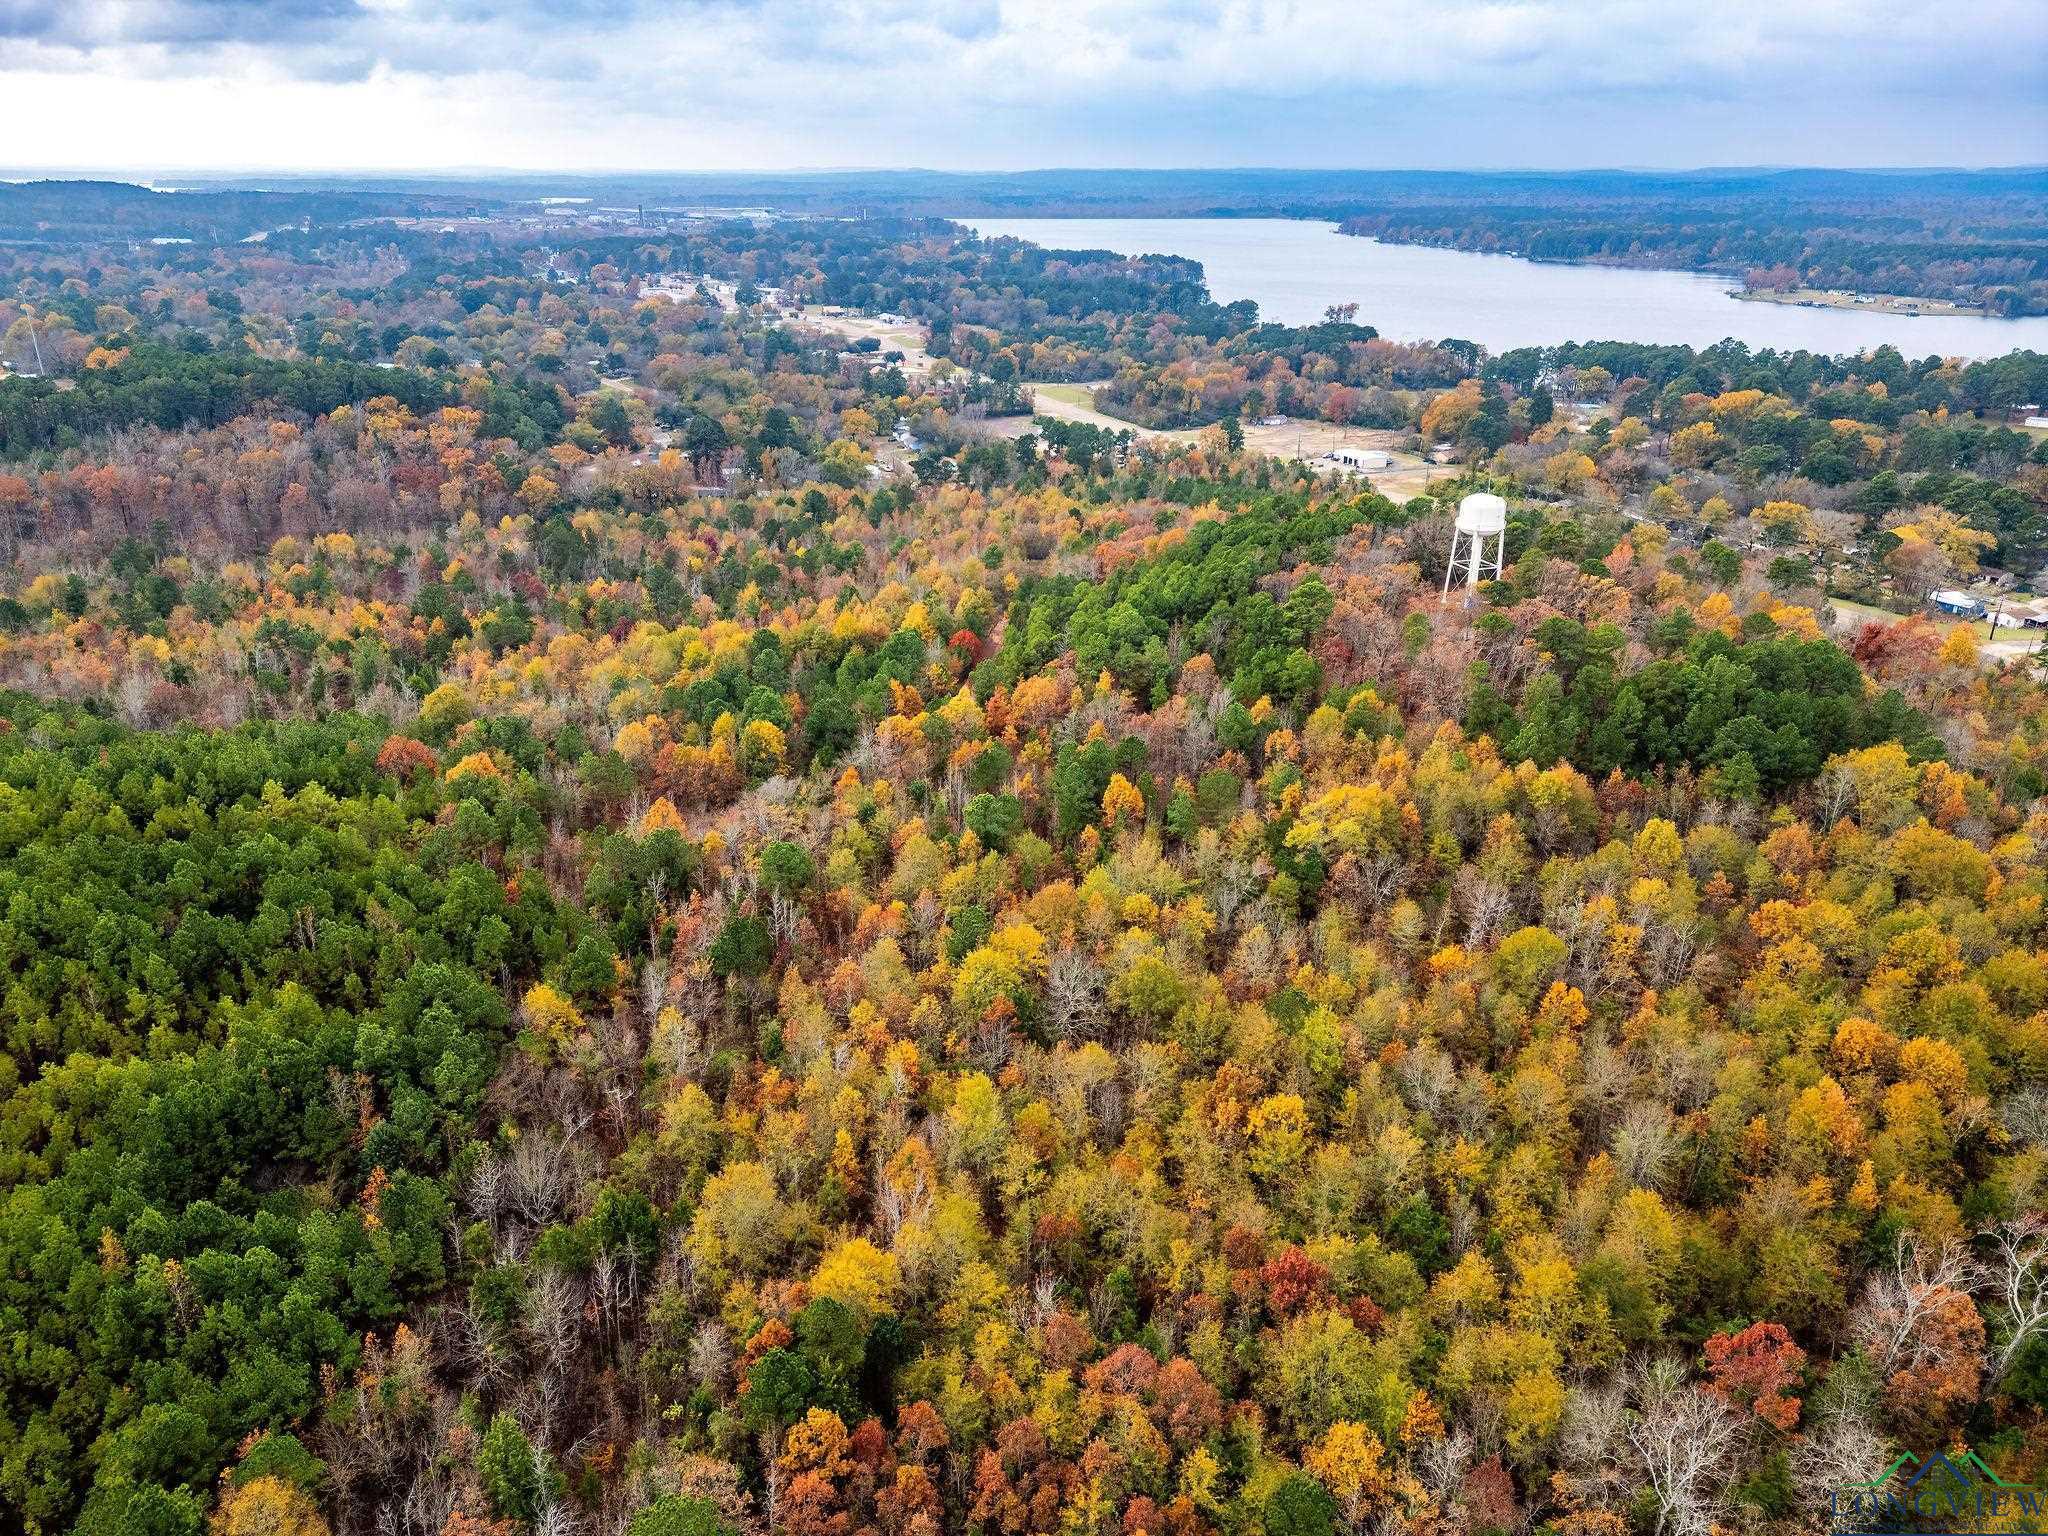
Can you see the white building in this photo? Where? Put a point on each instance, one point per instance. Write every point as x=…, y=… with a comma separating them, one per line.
x=1360, y=458
x=2019, y=616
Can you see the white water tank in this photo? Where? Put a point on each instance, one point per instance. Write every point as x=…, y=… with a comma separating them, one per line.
x=1482, y=513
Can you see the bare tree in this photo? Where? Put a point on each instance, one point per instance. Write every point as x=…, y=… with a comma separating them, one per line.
x=541, y=1174
x=1380, y=877
x=1233, y=886
x=1644, y=1142
x=552, y=1311
x=1471, y=1109
x=1073, y=989
x=2025, y=1115
x=383, y=1440
x=431, y=1498
x=1684, y=1439
x=1842, y=1450
x=1426, y=1077
x=556, y=1518
x=653, y=988
x=784, y=912
x=1461, y=1218
x=2018, y=1281
x=1667, y=952
x=1044, y=1297
x=1887, y=1324
x=1606, y=1080
x=679, y=1046
x=615, y=1291
x=133, y=693
x=1833, y=533
x=710, y=1355
x=1592, y=1439
x=1441, y=1463
x=1486, y=903
x=477, y=1348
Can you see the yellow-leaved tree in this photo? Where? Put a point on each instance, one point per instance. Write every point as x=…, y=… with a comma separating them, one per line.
x=860, y=1275
x=266, y=1506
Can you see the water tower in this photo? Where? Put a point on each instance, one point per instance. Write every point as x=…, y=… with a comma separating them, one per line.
x=1481, y=516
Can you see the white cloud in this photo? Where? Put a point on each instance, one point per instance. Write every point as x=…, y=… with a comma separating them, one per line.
x=1018, y=82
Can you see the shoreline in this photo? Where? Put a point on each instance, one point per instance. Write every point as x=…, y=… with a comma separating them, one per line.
x=1906, y=306
x=1507, y=299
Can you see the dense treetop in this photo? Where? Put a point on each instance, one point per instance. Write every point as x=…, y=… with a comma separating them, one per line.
x=592, y=942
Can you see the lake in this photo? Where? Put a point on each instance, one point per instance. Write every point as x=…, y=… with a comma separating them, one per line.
x=1297, y=268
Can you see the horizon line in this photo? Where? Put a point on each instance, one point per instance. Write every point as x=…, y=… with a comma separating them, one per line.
x=100, y=170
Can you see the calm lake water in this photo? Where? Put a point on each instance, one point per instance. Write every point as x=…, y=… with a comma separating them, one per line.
x=1297, y=268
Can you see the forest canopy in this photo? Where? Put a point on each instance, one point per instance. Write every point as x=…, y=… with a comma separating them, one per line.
x=622, y=914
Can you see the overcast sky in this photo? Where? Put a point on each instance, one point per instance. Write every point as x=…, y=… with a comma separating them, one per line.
x=162, y=85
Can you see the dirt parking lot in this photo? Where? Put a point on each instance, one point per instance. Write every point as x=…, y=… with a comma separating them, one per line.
x=1410, y=475
x=905, y=336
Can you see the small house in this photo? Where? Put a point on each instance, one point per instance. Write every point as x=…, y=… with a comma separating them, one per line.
x=2020, y=616
x=1956, y=605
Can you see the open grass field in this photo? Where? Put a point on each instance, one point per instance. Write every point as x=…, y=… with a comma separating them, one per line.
x=1082, y=395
